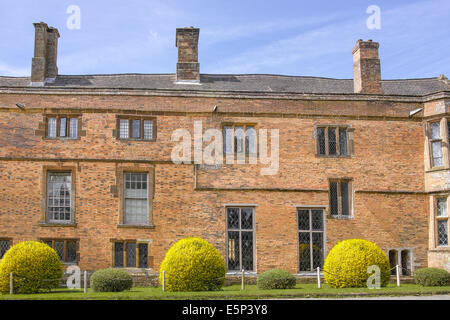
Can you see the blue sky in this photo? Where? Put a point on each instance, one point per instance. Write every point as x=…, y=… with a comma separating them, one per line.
x=311, y=38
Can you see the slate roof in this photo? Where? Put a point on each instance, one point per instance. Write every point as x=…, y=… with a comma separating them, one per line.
x=259, y=83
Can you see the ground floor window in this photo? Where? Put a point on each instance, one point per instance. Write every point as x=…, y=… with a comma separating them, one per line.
x=240, y=239
x=402, y=258
x=4, y=246
x=310, y=238
x=66, y=249
x=130, y=254
x=442, y=221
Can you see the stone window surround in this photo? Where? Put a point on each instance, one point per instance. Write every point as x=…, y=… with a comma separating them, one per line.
x=351, y=195
x=120, y=176
x=58, y=116
x=444, y=132
x=116, y=132
x=77, y=241
x=44, y=215
x=241, y=205
x=137, y=241
x=244, y=125
x=350, y=146
x=435, y=218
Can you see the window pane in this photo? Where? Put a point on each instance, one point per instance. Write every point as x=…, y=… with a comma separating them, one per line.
x=73, y=128
x=343, y=141
x=250, y=142
x=437, y=153
x=4, y=246
x=443, y=233
x=345, y=198
x=131, y=255
x=233, y=218
x=247, y=251
x=51, y=128
x=233, y=250
x=135, y=129
x=435, y=128
x=59, y=248
x=148, y=129
x=246, y=218
x=331, y=141
x=136, y=198
x=304, y=251
x=321, y=140
x=239, y=139
x=118, y=254
x=124, y=131
x=58, y=196
x=317, y=246
x=303, y=219
x=228, y=139
x=63, y=127
x=143, y=255
x=71, y=251
x=317, y=219
x=442, y=207
x=333, y=198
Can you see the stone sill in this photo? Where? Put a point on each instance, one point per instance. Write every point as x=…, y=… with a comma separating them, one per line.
x=437, y=169
x=440, y=249
x=340, y=217
x=49, y=224
x=137, y=226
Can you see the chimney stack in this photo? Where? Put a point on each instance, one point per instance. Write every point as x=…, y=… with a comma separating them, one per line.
x=366, y=68
x=44, y=67
x=188, y=68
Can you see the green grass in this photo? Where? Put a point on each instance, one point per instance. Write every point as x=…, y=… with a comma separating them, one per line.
x=232, y=292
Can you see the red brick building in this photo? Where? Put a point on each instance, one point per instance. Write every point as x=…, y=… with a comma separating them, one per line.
x=85, y=163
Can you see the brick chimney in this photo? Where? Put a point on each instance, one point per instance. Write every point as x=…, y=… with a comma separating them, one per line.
x=44, y=67
x=366, y=68
x=188, y=68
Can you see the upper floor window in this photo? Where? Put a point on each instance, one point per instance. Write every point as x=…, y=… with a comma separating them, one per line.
x=140, y=128
x=332, y=141
x=340, y=198
x=62, y=127
x=4, y=246
x=136, y=190
x=442, y=221
x=59, y=197
x=239, y=139
x=436, y=144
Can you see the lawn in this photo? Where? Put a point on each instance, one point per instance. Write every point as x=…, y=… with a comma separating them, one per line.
x=231, y=292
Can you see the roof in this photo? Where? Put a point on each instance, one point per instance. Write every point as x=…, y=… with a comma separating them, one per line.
x=259, y=83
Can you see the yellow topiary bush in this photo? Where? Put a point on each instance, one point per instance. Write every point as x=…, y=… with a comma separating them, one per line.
x=347, y=262
x=35, y=267
x=192, y=264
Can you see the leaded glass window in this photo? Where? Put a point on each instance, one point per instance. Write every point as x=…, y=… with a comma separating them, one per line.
x=148, y=130
x=136, y=198
x=51, y=129
x=59, y=187
x=73, y=128
x=62, y=127
x=436, y=144
x=240, y=139
x=130, y=254
x=137, y=129
x=66, y=249
x=124, y=130
x=310, y=238
x=340, y=198
x=4, y=246
x=240, y=235
x=442, y=221
x=442, y=226
x=332, y=141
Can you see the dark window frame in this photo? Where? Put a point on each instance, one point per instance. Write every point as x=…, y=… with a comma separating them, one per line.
x=339, y=199
x=65, y=240
x=240, y=230
x=138, y=244
x=141, y=120
x=311, y=230
x=58, y=118
x=9, y=240
x=338, y=128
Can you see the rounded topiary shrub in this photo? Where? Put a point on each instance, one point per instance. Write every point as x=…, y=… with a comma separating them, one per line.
x=111, y=280
x=192, y=264
x=276, y=279
x=429, y=277
x=347, y=262
x=35, y=267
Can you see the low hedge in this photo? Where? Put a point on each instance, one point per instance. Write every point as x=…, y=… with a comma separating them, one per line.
x=276, y=279
x=432, y=277
x=111, y=280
